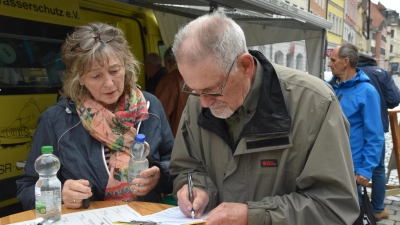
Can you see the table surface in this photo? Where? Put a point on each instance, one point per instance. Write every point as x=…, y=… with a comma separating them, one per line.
x=144, y=208
x=394, y=110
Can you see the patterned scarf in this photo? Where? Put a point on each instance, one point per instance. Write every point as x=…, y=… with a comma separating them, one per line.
x=115, y=130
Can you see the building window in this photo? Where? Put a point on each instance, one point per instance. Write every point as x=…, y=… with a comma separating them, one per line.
x=290, y=60
x=373, y=36
x=337, y=25
x=392, y=19
x=299, y=62
x=391, y=33
x=383, y=51
x=334, y=23
x=391, y=48
x=278, y=58
x=373, y=50
x=383, y=38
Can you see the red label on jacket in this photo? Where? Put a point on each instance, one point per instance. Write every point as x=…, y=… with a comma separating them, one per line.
x=269, y=162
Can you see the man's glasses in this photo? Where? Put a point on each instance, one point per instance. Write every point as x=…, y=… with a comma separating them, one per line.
x=190, y=91
x=88, y=43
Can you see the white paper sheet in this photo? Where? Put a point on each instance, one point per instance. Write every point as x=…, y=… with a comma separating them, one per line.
x=171, y=216
x=103, y=216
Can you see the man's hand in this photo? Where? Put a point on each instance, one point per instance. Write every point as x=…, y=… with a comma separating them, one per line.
x=147, y=182
x=228, y=213
x=200, y=201
x=361, y=180
x=74, y=192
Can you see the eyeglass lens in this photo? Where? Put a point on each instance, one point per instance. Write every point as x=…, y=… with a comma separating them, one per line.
x=190, y=91
x=105, y=37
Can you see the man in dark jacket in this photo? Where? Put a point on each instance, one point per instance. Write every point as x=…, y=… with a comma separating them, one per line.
x=389, y=94
x=154, y=71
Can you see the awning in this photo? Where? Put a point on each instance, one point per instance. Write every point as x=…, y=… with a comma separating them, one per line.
x=250, y=7
x=263, y=21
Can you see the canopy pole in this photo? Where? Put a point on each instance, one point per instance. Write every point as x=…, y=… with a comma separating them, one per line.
x=213, y=7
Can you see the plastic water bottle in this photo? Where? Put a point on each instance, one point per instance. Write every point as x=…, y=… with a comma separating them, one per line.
x=138, y=161
x=48, y=187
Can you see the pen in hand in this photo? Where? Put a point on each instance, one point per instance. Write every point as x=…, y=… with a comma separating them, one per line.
x=190, y=188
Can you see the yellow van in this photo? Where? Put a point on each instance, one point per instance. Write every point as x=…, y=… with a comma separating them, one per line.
x=31, y=72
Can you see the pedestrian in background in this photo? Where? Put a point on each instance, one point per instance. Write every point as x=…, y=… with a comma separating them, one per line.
x=169, y=91
x=361, y=105
x=389, y=95
x=154, y=71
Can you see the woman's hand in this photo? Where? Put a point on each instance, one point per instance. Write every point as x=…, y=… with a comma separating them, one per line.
x=147, y=182
x=74, y=192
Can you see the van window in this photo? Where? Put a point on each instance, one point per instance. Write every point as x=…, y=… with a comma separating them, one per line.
x=30, y=56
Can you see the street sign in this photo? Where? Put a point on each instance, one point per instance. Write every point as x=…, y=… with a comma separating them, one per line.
x=328, y=52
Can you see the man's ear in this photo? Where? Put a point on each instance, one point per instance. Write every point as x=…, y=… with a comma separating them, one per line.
x=346, y=61
x=246, y=64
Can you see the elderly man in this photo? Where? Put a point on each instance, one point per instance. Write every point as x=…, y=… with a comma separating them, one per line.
x=255, y=135
x=361, y=105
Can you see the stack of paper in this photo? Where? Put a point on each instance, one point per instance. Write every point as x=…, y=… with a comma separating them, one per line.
x=120, y=215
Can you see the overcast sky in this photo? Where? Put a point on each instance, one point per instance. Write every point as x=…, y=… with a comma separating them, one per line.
x=391, y=4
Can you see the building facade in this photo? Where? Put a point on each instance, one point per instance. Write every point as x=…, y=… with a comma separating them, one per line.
x=378, y=34
x=349, y=30
x=393, y=41
x=361, y=27
x=318, y=7
x=335, y=14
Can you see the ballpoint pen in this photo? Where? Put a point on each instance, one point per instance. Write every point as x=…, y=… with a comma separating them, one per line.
x=190, y=188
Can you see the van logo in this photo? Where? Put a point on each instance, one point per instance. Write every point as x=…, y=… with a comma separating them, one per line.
x=269, y=162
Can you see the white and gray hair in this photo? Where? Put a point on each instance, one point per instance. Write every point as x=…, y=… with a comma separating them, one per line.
x=214, y=35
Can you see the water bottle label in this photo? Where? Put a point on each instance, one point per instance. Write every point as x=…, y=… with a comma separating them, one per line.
x=40, y=208
x=37, y=191
x=48, y=202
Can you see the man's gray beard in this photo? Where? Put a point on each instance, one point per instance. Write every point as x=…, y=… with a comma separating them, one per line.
x=221, y=110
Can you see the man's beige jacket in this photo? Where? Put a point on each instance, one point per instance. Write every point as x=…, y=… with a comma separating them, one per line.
x=292, y=163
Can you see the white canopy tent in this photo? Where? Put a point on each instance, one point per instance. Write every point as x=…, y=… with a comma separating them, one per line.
x=256, y=17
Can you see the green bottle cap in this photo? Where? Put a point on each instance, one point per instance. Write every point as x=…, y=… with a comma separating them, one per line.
x=47, y=149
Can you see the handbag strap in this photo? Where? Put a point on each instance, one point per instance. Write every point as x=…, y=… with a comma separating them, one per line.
x=365, y=191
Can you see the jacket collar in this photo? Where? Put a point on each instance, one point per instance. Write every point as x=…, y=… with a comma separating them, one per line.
x=359, y=77
x=68, y=105
x=271, y=116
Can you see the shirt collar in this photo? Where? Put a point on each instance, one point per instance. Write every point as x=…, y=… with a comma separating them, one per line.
x=250, y=102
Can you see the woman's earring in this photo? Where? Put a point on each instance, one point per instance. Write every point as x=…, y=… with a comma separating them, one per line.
x=81, y=87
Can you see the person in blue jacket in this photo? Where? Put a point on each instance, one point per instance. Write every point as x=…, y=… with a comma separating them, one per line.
x=361, y=105
x=92, y=127
x=390, y=97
